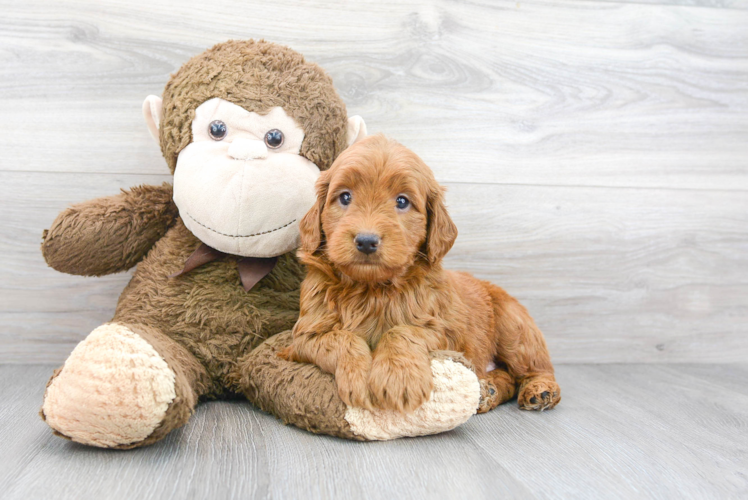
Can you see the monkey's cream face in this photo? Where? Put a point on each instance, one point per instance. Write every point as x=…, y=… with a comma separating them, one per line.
x=241, y=185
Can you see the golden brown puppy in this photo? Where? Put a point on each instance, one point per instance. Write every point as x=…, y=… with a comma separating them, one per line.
x=376, y=300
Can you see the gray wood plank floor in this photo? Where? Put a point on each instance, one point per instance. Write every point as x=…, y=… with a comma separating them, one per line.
x=622, y=431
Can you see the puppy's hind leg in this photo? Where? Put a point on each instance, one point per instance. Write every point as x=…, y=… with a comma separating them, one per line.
x=498, y=386
x=539, y=391
x=521, y=347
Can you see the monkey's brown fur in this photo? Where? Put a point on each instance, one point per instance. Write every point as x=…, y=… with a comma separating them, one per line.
x=202, y=323
x=111, y=234
x=372, y=319
x=256, y=76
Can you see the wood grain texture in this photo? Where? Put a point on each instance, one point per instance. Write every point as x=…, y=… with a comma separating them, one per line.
x=572, y=93
x=595, y=152
x=621, y=431
x=610, y=275
x=708, y=4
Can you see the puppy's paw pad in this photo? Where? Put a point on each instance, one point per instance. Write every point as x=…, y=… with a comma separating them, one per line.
x=489, y=396
x=539, y=395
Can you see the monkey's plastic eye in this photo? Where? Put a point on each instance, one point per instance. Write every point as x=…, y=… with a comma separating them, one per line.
x=402, y=202
x=274, y=138
x=217, y=130
x=345, y=198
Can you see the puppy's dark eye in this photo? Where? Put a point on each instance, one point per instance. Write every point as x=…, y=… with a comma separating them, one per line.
x=217, y=130
x=345, y=198
x=402, y=202
x=274, y=138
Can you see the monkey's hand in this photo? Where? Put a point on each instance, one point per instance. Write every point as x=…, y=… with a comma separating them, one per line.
x=110, y=234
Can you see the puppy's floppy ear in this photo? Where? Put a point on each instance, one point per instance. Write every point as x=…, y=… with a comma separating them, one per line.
x=441, y=232
x=310, y=225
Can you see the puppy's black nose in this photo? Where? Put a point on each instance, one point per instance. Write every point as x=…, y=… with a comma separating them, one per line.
x=367, y=243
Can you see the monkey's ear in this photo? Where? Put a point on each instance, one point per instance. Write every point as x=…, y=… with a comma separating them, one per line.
x=152, y=112
x=441, y=232
x=310, y=226
x=356, y=129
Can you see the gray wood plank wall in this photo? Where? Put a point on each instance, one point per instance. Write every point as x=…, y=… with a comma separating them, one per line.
x=596, y=153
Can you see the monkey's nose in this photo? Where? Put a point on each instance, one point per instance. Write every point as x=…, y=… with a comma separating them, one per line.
x=247, y=149
x=367, y=243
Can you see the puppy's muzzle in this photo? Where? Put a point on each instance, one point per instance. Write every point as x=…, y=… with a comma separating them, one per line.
x=367, y=243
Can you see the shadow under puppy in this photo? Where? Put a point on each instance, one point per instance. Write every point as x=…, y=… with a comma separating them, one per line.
x=376, y=300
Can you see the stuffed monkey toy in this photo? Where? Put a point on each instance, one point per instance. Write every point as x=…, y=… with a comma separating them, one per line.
x=245, y=128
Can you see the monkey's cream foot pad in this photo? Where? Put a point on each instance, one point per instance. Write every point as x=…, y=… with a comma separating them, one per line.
x=114, y=389
x=453, y=401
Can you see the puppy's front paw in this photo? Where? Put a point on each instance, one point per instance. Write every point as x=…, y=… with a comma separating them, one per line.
x=539, y=394
x=399, y=383
x=351, y=379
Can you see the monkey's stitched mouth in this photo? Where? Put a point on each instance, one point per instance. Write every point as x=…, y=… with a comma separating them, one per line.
x=240, y=235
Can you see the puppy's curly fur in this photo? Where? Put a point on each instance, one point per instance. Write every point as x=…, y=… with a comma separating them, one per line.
x=371, y=313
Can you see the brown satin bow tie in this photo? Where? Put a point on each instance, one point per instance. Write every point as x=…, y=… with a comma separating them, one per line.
x=251, y=269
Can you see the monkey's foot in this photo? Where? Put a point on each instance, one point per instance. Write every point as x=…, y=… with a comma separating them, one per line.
x=113, y=390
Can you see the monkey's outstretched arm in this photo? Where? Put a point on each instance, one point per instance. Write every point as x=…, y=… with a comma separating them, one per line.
x=110, y=234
